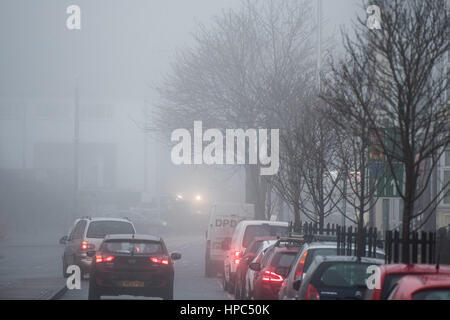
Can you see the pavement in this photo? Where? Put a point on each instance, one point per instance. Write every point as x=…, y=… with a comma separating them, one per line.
x=33, y=289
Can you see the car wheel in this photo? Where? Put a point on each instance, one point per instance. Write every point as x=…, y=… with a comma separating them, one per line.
x=64, y=268
x=168, y=292
x=94, y=292
x=209, y=268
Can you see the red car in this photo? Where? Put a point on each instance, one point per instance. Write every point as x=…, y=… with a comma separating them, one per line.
x=272, y=270
x=390, y=274
x=422, y=287
x=244, y=261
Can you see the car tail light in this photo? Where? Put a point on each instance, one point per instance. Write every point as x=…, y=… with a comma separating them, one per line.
x=312, y=293
x=85, y=245
x=301, y=265
x=270, y=276
x=99, y=259
x=160, y=260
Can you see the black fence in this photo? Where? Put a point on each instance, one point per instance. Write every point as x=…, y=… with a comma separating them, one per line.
x=420, y=246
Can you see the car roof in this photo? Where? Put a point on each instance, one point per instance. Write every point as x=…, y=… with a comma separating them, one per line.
x=414, y=268
x=260, y=222
x=321, y=259
x=410, y=284
x=329, y=244
x=132, y=237
x=107, y=219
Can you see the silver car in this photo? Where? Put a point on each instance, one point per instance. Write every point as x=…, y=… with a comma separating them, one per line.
x=86, y=235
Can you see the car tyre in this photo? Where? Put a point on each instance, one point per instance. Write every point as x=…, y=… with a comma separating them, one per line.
x=168, y=292
x=94, y=292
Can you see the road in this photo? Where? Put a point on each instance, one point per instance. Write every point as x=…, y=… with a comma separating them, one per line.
x=190, y=282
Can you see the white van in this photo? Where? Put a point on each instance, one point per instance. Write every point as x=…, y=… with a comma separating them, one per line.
x=243, y=235
x=223, y=219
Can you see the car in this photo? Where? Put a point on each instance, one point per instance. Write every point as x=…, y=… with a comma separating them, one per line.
x=242, y=268
x=132, y=264
x=86, y=235
x=305, y=257
x=243, y=235
x=250, y=275
x=222, y=221
x=335, y=277
x=272, y=269
x=422, y=287
x=390, y=274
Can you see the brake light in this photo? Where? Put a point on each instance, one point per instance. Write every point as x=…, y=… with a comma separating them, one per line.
x=312, y=293
x=85, y=245
x=237, y=254
x=270, y=276
x=301, y=265
x=160, y=260
x=99, y=259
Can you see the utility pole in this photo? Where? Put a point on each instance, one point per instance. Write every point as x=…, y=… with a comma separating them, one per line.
x=319, y=42
x=76, y=145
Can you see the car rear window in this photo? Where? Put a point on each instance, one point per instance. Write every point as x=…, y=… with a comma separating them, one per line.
x=99, y=229
x=254, y=247
x=432, y=294
x=283, y=259
x=264, y=230
x=133, y=247
x=342, y=274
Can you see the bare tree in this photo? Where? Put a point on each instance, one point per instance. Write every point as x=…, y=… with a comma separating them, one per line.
x=237, y=73
x=411, y=120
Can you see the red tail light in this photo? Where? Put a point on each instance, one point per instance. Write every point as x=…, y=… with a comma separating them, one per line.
x=237, y=256
x=85, y=245
x=301, y=265
x=99, y=259
x=160, y=260
x=312, y=293
x=270, y=276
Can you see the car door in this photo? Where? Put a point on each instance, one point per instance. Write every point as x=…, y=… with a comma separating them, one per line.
x=74, y=243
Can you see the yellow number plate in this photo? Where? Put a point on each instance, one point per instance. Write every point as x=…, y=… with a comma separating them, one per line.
x=134, y=284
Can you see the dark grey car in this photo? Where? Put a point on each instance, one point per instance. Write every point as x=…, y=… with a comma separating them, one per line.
x=335, y=277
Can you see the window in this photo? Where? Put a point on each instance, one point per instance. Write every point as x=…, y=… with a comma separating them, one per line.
x=135, y=247
x=78, y=231
x=99, y=229
x=283, y=259
x=446, y=176
x=262, y=231
x=432, y=294
x=344, y=275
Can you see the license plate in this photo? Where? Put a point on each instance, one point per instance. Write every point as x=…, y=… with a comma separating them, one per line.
x=133, y=284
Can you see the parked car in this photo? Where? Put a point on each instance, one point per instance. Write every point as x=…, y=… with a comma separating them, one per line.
x=272, y=269
x=132, y=264
x=390, y=274
x=335, y=277
x=86, y=235
x=422, y=287
x=243, y=235
x=222, y=222
x=302, y=262
x=246, y=259
x=250, y=275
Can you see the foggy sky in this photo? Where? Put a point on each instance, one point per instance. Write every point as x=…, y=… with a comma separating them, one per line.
x=122, y=48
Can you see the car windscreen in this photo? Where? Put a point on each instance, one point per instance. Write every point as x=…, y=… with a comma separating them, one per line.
x=432, y=294
x=390, y=281
x=99, y=229
x=341, y=274
x=134, y=247
x=263, y=230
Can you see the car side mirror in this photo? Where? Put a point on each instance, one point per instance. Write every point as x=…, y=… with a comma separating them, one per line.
x=226, y=244
x=63, y=240
x=175, y=256
x=296, y=285
x=255, y=266
x=90, y=253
